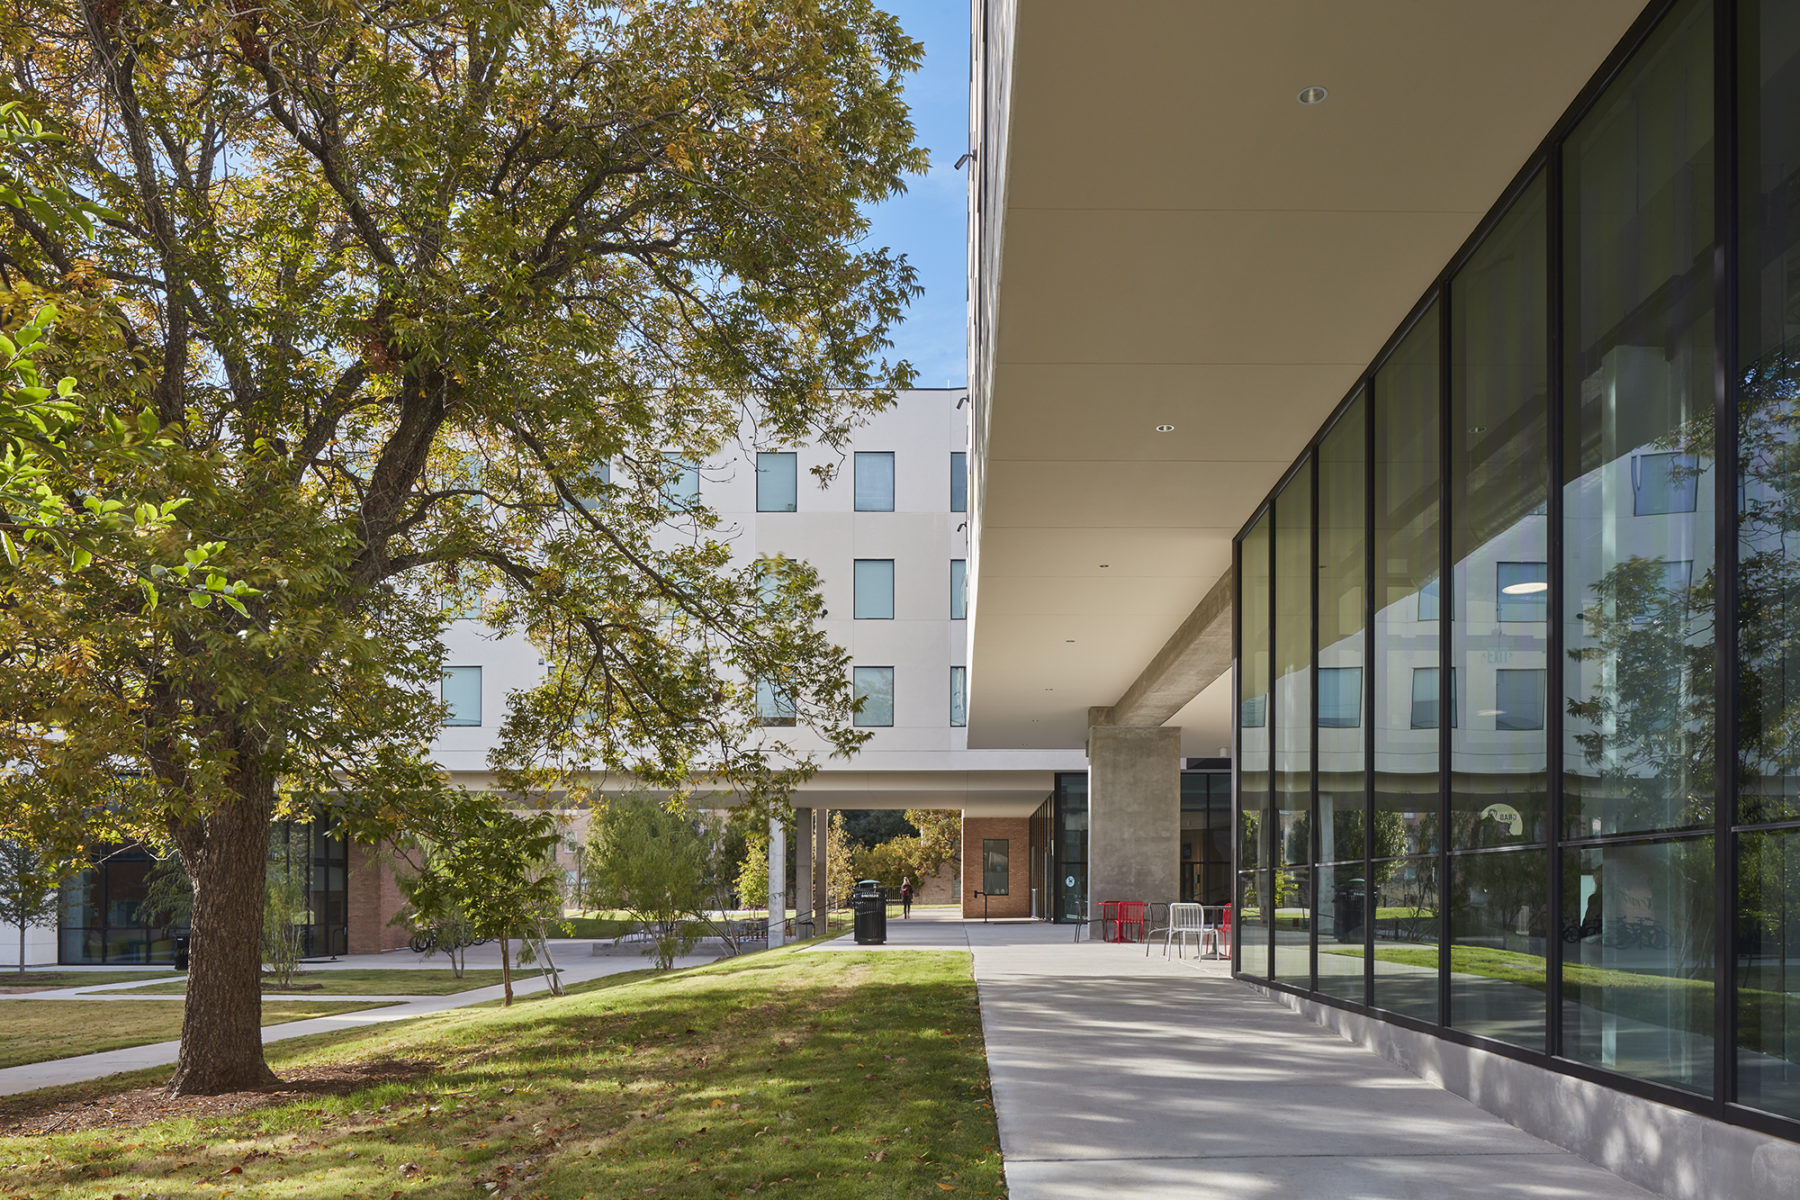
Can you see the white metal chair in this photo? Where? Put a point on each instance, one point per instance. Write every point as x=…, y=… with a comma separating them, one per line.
x=1185, y=919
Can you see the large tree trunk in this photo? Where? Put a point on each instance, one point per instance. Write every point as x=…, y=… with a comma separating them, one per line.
x=221, y=1028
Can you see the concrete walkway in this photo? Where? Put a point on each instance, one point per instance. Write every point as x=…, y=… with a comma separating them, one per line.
x=580, y=965
x=1120, y=1075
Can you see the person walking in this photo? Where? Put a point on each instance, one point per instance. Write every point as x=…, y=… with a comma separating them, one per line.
x=905, y=897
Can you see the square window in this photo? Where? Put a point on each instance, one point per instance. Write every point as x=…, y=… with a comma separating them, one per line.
x=462, y=695
x=1519, y=699
x=874, y=686
x=874, y=484
x=1425, y=698
x=774, y=706
x=959, y=481
x=777, y=481
x=959, y=697
x=1664, y=483
x=874, y=589
x=1522, y=591
x=681, y=489
x=1340, y=697
x=959, y=589
x=1253, y=711
x=589, y=487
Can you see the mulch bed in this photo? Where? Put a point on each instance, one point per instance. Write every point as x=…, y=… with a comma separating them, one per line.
x=22, y=1116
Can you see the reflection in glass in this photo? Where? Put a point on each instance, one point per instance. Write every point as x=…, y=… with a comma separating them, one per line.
x=1768, y=473
x=1253, y=751
x=1499, y=904
x=1293, y=730
x=1499, y=536
x=1638, y=398
x=1343, y=915
x=1406, y=559
x=874, y=686
x=1343, y=540
x=1638, y=960
x=1406, y=936
x=777, y=481
x=1768, y=971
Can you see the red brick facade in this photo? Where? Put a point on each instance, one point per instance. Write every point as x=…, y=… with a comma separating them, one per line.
x=1016, y=832
x=373, y=899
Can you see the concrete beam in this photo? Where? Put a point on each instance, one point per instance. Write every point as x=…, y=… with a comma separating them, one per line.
x=777, y=882
x=1197, y=653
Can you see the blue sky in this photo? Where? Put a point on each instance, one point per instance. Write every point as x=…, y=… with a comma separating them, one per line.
x=928, y=224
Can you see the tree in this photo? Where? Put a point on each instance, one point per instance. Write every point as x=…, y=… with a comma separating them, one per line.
x=840, y=862
x=491, y=870
x=653, y=862
x=28, y=889
x=405, y=276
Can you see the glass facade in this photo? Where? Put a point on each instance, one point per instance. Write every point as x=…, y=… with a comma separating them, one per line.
x=1068, y=845
x=104, y=915
x=1535, y=780
x=1206, y=837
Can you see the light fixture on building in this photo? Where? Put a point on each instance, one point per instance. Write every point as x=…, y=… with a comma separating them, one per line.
x=1529, y=587
x=1165, y=429
x=1103, y=566
x=1068, y=641
x=1312, y=95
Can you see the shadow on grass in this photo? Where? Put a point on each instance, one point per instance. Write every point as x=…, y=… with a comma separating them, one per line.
x=849, y=1074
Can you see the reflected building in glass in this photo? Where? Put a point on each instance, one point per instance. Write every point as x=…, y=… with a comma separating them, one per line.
x=1519, y=635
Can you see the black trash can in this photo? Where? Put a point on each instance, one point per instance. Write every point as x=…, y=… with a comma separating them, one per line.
x=181, y=953
x=869, y=904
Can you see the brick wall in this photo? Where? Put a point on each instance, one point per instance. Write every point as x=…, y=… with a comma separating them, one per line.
x=373, y=899
x=1017, y=833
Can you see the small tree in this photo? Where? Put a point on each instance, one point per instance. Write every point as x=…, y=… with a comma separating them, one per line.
x=753, y=875
x=652, y=862
x=284, y=927
x=490, y=868
x=28, y=889
x=840, y=865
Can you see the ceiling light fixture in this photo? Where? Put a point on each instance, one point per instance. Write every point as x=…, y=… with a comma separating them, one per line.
x=1312, y=95
x=1165, y=429
x=1103, y=566
x=1530, y=587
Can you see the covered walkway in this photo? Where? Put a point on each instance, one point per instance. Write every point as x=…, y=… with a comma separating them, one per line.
x=1120, y=1075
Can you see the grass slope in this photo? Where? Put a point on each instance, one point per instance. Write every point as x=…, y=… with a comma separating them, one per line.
x=40, y=1030
x=825, y=1075
x=417, y=981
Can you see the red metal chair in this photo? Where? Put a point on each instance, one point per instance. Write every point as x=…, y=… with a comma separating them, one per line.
x=1109, y=918
x=1131, y=920
x=1225, y=931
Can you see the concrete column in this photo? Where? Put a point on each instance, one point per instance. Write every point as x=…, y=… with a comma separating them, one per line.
x=821, y=876
x=1134, y=813
x=777, y=882
x=803, y=861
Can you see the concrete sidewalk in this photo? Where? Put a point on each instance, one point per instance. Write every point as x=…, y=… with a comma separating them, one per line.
x=1117, y=1074
x=32, y=1076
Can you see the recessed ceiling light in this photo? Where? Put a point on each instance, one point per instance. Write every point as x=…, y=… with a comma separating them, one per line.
x=1103, y=566
x=1312, y=95
x=1165, y=429
x=1049, y=689
x=1068, y=641
x=1530, y=587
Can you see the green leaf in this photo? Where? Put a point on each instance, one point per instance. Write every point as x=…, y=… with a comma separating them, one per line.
x=80, y=559
x=147, y=422
x=12, y=551
x=199, y=599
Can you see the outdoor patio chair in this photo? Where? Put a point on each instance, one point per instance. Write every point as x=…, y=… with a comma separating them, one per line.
x=1219, y=935
x=1081, y=919
x=1186, y=920
x=1131, y=920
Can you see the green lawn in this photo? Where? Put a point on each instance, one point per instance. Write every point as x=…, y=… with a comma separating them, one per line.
x=405, y=982
x=43, y=980
x=40, y=1030
x=844, y=1075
